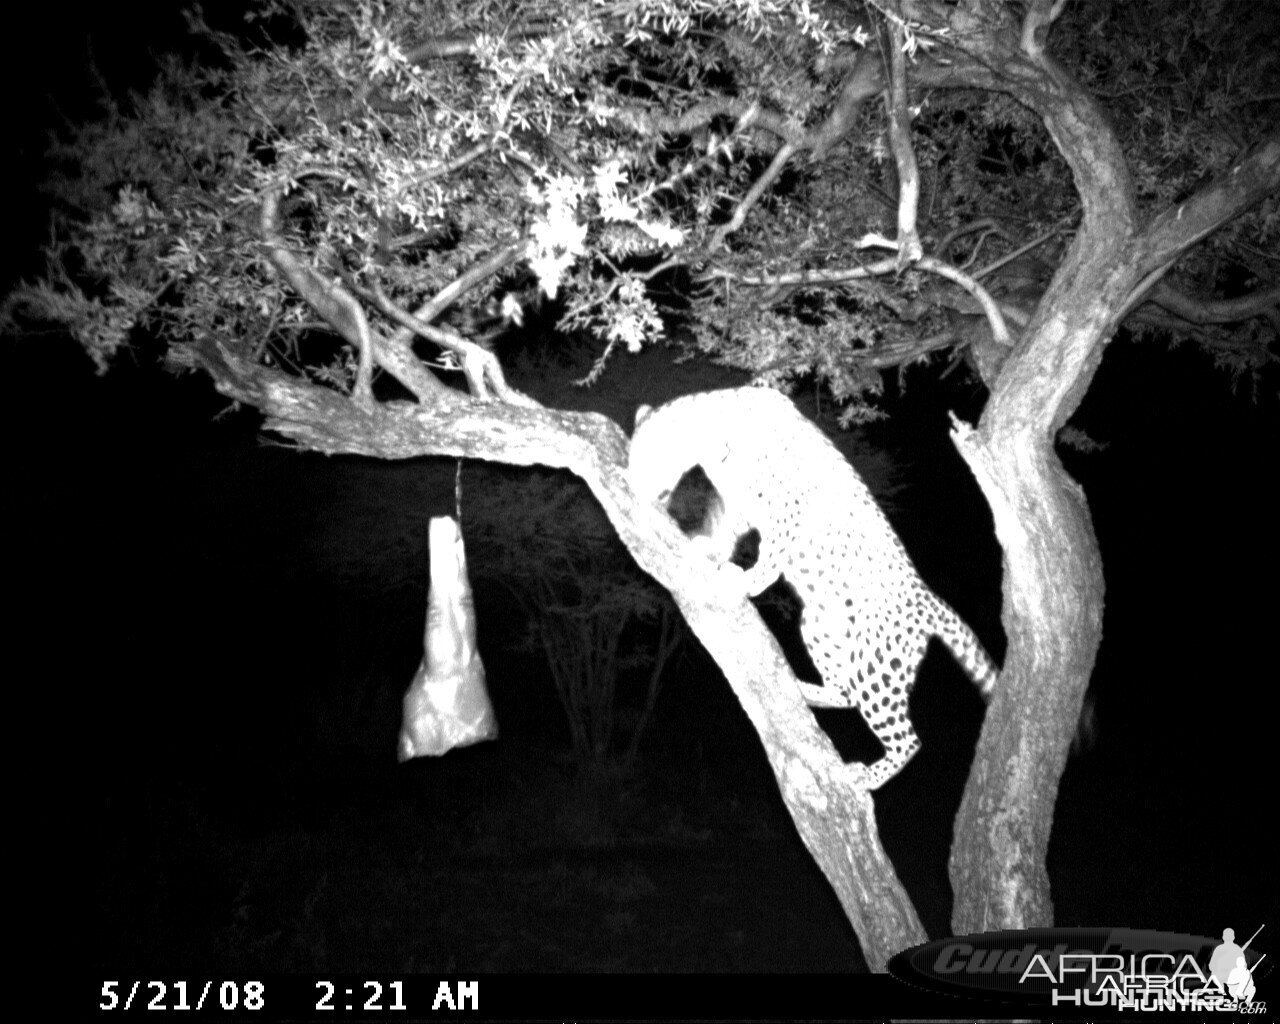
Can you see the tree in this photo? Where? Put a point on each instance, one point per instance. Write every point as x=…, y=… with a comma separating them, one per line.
x=592, y=617
x=339, y=181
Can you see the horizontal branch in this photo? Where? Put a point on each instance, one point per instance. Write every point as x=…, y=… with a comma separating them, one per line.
x=323, y=420
x=1215, y=311
x=795, y=278
x=835, y=277
x=746, y=114
x=459, y=44
x=1244, y=347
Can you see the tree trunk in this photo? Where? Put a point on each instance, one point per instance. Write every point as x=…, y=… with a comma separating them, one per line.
x=1053, y=585
x=1053, y=591
x=1053, y=596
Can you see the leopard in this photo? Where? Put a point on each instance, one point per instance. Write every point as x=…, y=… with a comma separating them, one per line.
x=866, y=617
x=699, y=511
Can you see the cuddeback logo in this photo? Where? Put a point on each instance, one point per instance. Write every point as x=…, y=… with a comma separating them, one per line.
x=1088, y=968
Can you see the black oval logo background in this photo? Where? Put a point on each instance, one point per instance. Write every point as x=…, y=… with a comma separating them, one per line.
x=991, y=963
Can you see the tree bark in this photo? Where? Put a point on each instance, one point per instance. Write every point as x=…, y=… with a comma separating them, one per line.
x=835, y=821
x=1053, y=582
x=1053, y=587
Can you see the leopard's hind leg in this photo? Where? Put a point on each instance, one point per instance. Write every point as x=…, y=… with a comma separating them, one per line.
x=869, y=661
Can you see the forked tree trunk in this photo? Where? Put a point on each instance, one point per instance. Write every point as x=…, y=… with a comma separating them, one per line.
x=1053, y=584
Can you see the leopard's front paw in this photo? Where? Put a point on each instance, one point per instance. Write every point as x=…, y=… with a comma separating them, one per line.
x=863, y=776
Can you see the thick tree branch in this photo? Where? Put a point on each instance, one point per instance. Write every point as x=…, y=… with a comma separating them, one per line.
x=862, y=83
x=1035, y=24
x=398, y=359
x=481, y=367
x=1242, y=348
x=1183, y=226
x=1180, y=227
x=1214, y=311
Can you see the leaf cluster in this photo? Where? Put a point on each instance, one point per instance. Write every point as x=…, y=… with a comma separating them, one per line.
x=628, y=154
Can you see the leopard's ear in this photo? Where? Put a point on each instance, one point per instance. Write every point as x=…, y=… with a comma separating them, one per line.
x=642, y=414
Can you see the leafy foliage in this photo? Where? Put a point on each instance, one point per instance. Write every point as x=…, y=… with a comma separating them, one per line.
x=629, y=152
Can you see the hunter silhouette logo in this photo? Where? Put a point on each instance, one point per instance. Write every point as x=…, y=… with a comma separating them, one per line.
x=1229, y=971
x=1079, y=970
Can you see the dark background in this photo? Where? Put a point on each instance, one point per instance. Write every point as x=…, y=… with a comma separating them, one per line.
x=190, y=653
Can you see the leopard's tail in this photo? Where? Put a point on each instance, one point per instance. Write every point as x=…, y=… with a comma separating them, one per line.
x=967, y=648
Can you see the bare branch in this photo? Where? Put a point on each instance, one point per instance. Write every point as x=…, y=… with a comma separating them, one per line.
x=753, y=195
x=884, y=356
x=459, y=44
x=398, y=359
x=340, y=310
x=990, y=307
x=832, y=277
x=796, y=278
x=448, y=167
x=1022, y=250
x=748, y=114
x=986, y=226
x=989, y=56
x=334, y=304
x=904, y=157
x=483, y=371
x=977, y=246
x=862, y=82
x=1215, y=311
x=1035, y=26
x=459, y=286
x=1242, y=347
